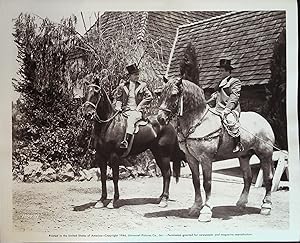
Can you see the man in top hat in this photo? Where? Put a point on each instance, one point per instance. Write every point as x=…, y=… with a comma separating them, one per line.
x=132, y=97
x=227, y=94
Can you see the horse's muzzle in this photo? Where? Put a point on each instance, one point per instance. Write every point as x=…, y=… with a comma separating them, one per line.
x=89, y=115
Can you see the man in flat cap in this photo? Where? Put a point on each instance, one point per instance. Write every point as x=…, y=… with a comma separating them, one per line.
x=227, y=95
x=132, y=97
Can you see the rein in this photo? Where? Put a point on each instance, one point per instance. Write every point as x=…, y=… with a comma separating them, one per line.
x=96, y=116
x=98, y=119
x=193, y=128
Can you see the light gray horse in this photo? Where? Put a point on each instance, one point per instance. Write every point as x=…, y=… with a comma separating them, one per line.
x=204, y=140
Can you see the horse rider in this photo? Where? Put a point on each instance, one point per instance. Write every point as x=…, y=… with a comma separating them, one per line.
x=226, y=95
x=132, y=97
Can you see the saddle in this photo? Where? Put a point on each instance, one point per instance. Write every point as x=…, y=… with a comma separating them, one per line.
x=232, y=128
x=137, y=126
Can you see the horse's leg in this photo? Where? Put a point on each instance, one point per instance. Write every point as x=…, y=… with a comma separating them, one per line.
x=206, y=212
x=103, y=171
x=267, y=167
x=247, y=176
x=194, y=166
x=115, y=171
x=164, y=165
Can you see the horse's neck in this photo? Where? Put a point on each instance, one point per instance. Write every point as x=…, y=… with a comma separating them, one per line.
x=191, y=118
x=194, y=105
x=104, y=108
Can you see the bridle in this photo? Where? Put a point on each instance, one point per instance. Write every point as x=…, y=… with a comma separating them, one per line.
x=95, y=116
x=179, y=112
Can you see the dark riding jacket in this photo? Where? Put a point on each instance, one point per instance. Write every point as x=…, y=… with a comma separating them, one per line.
x=143, y=96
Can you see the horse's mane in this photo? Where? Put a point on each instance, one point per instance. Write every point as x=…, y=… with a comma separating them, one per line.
x=193, y=96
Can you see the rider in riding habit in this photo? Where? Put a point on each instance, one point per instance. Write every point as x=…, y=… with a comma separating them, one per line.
x=227, y=94
x=132, y=97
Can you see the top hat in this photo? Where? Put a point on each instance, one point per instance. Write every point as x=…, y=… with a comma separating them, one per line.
x=225, y=63
x=131, y=69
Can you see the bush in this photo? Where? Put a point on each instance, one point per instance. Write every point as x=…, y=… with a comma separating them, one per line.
x=47, y=122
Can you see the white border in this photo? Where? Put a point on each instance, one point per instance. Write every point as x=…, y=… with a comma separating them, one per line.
x=56, y=9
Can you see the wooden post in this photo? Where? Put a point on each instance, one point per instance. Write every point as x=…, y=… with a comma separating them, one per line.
x=259, y=179
x=282, y=165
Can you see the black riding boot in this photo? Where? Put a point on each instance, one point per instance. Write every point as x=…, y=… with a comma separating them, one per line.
x=124, y=144
x=238, y=145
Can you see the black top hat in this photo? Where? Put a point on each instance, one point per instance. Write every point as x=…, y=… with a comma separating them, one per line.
x=132, y=69
x=225, y=63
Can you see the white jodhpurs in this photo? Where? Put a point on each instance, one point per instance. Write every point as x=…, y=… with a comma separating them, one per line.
x=133, y=117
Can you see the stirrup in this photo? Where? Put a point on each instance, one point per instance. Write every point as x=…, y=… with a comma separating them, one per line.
x=124, y=144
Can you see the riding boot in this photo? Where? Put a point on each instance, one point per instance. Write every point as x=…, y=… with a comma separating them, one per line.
x=238, y=145
x=124, y=144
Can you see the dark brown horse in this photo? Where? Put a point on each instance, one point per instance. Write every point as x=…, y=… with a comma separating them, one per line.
x=204, y=140
x=109, y=130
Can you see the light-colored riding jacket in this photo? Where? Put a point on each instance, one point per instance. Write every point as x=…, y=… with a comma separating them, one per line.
x=228, y=95
x=143, y=96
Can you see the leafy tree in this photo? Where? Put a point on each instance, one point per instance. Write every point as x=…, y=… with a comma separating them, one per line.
x=47, y=127
x=53, y=58
x=275, y=108
x=189, y=68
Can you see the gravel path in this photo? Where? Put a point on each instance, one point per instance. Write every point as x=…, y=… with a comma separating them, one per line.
x=60, y=208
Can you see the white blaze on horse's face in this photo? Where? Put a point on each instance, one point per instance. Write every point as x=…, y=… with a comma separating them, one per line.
x=89, y=106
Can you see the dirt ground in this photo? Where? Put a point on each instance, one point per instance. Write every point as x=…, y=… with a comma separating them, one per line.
x=68, y=207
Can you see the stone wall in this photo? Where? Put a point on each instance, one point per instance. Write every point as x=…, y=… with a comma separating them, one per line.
x=35, y=172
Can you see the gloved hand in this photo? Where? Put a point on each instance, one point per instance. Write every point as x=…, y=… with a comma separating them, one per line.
x=118, y=106
x=212, y=97
x=225, y=112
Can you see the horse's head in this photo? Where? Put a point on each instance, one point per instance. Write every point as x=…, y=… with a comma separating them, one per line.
x=170, y=99
x=92, y=98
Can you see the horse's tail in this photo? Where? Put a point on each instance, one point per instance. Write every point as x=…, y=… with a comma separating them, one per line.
x=177, y=157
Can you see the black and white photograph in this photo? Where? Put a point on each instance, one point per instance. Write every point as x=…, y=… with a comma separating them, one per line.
x=130, y=122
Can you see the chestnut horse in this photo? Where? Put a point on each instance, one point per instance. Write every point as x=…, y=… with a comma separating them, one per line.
x=203, y=139
x=109, y=130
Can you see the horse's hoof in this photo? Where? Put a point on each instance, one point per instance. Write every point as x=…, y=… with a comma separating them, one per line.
x=99, y=204
x=204, y=217
x=110, y=205
x=205, y=214
x=241, y=203
x=266, y=209
x=163, y=203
